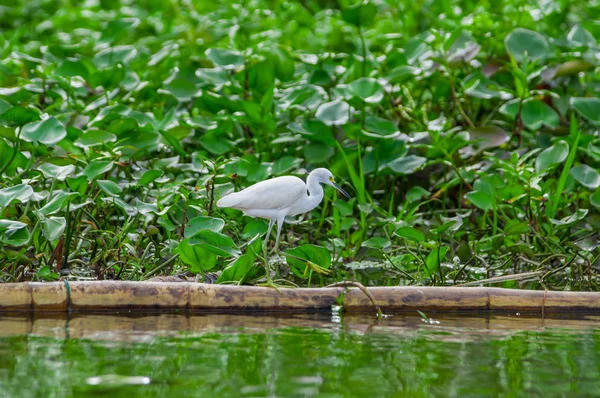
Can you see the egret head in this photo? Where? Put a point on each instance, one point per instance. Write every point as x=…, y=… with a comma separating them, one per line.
x=324, y=176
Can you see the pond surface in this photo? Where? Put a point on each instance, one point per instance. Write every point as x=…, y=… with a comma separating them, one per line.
x=298, y=356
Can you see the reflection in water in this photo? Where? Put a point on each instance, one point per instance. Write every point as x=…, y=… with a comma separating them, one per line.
x=298, y=355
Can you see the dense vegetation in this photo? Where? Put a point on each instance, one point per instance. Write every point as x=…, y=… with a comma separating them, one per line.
x=465, y=130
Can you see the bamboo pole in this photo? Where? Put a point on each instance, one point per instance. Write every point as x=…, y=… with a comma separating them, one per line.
x=196, y=297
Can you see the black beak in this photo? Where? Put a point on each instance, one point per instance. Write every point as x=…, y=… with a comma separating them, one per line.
x=340, y=189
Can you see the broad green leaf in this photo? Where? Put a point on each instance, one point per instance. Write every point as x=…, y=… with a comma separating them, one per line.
x=480, y=199
x=434, y=259
x=317, y=255
x=402, y=73
x=59, y=173
x=579, y=36
x=377, y=242
x=13, y=232
x=21, y=193
x=215, y=144
x=486, y=137
x=362, y=14
x=586, y=176
x=203, y=223
x=407, y=164
x=149, y=176
x=109, y=187
x=48, y=132
x=587, y=107
x=317, y=152
x=254, y=228
x=215, y=242
x=380, y=127
x=93, y=138
x=226, y=59
x=182, y=89
x=78, y=184
x=333, y=113
x=416, y=193
x=367, y=89
x=237, y=270
x=19, y=116
x=577, y=216
x=96, y=168
x=557, y=153
x=53, y=227
x=58, y=201
x=522, y=41
x=595, y=199
x=198, y=257
x=410, y=233
x=537, y=114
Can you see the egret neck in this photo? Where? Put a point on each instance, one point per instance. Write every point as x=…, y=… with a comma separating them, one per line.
x=314, y=197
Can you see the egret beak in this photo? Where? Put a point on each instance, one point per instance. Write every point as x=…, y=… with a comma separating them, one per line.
x=336, y=186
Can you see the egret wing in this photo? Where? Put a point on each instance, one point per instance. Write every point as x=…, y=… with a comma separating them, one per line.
x=276, y=193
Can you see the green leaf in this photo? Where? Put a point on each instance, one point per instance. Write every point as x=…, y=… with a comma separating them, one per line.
x=406, y=165
x=13, y=232
x=96, y=168
x=317, y=255
x=215, y=242
x=480, y=199
x=410, y=233
x=201, y=223
x=402, y=73
x=215, y=144
x=333, y=113
x=21, y=193
x=18, y=116
x=361, y=14
x=109, y=187
x=317, y=152
x=522, y=41
x=377, y=242
x=94, y=138
x=149, y=176
x=199, y=258
x=56, y=203
x=537, y=114
x=586, y=176
x=78, y=184
x=380, y=127
x=59, y=173
x=367, y=89
x=589, y=108
x=48, y=132
x=238, y=270
x=226, y=59
x=577, y=216
x=595, y=199
x=516, y=227
x=434, y=258
x=557, y=153
x=254, y=228
x=579, y=36
x=53, y=227
x=182, y=89
x=486, y=137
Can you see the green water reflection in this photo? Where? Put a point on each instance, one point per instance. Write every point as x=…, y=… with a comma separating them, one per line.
x=298, y=356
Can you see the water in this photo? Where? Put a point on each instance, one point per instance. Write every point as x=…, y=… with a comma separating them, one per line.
x=298, y=356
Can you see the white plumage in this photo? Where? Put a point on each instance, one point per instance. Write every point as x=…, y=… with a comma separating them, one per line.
x=279, y=197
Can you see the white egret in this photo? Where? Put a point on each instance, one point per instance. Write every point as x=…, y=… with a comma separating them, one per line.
x=279, y=197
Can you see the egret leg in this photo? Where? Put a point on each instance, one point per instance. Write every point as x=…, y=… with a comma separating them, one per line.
x=279, y=226
x=268, y=235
